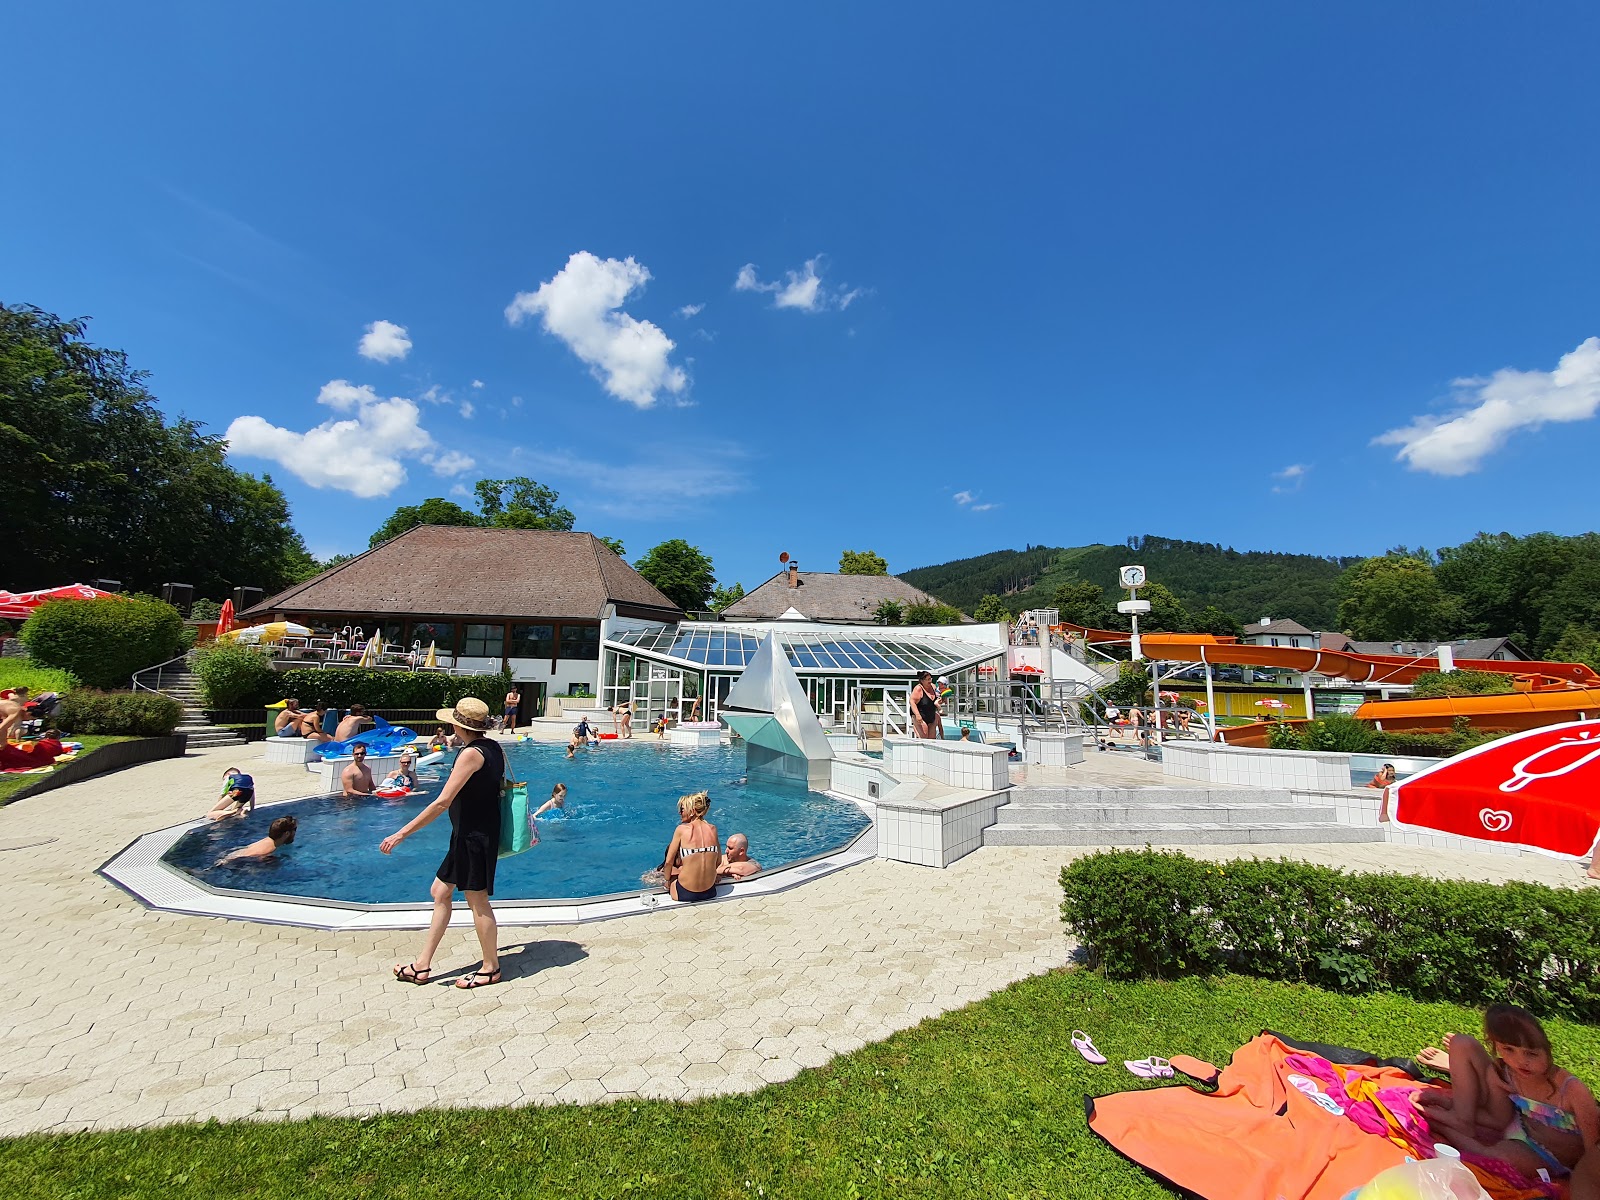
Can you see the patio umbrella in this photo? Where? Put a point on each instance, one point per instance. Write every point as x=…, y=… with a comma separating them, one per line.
x=1271, y=704
x=432, y=661
x=369, y=656
x=1026, y=669
x=22, y=604
x=225, y=618
x=1536, y=789
x=273, y=631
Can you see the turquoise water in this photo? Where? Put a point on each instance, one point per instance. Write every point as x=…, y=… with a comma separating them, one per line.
x=620, y=813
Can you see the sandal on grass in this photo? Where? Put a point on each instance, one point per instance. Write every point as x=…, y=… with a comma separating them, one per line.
x=1085, y=1046
x=1149, y=1068
x=479, y=978
x=411, y=973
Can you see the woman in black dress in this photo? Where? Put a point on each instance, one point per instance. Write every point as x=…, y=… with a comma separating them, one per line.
x=472, y=798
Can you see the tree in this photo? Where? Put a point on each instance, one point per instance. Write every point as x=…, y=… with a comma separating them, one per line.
x=681, y=572
x=1083, y=603
x=721, y=597
x=1167, y=613
x=933, y=614
x=614, y=544
x=99, y=484
x=991, y=608
x=889, y=612
x=862, y=562
x=435, y=510
x=1395, y=597
x=1213, y=620
x=521, y=503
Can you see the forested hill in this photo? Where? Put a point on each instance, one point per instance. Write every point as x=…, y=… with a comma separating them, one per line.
x=1248, y=584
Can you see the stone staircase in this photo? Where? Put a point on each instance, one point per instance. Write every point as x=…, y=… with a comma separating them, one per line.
x=185, y=689
x=1134, y=816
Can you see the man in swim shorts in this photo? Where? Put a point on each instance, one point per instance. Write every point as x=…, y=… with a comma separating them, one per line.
x=512, y=703
x=356, y=779
x=352, y=723
x=287, y=723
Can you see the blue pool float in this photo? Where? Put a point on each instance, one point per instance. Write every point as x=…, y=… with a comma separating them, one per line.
x=383, y=741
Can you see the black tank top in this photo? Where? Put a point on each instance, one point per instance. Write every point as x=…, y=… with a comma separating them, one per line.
x=476, y=808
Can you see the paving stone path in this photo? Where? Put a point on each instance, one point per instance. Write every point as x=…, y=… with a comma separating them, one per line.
x=119, y=1016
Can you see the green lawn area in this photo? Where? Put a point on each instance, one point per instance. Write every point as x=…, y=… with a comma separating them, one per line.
x=985, y=1102
x=12, y=784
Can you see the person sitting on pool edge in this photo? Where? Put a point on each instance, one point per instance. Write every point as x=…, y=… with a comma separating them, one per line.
x=279, y=834
x=352, y=723
x=737, y=863
x=238, y=795
x=311, y=724
x=287, y=723
x=690, y=866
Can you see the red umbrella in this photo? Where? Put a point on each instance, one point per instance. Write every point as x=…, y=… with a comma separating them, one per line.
x=225, y=618
x=1536, y=789
x=1025, y=669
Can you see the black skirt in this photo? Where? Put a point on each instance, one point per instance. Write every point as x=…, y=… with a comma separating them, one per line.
x=469, y=864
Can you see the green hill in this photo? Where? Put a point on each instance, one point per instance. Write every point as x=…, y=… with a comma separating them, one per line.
x=1248, y=584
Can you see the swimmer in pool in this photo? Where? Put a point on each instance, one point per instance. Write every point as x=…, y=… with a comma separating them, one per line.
x=558, y=800
x=279, y=834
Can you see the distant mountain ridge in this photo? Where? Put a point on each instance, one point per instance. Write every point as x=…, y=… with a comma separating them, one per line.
x=1249, y=584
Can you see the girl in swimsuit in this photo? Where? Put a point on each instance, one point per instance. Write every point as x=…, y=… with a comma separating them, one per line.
x=692, y=858
x=925, y=707
x=1510, y=1101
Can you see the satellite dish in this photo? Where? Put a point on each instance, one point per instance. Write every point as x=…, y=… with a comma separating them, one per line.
x=784, y=557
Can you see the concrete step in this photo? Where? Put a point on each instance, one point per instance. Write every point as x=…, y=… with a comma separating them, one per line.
x=1193, y=834
x=1200, y=794
x=1164, y=814
x=212, y=741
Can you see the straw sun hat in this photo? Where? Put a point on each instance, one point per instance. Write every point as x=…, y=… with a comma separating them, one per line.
x=469, y=713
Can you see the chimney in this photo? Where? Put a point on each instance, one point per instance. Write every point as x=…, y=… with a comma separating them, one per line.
x=1266, y=620
x=794, y=574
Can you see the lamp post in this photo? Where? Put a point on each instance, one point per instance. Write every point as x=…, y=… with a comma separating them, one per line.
x=1133, y=578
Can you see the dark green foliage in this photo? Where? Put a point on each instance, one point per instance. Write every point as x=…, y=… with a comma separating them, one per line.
x=521, y=503
x=616, y=547
x=721, y=597
x=103, y=642
x=1160, y=915
x=1461, y=683
x=681, y=572
x=889, y=612
x=992, y=608
x=1131, y=686
x=235, y=676
x=435, y=510
x=100, y=484
x=136, y=714
x=931, y=614
x=1080, y=602
x=203, y=610
x=862, y=562
x=1396, y=595
x=1411, y=743
x=1342, y=735
x=1284, y=736
x=340, y=687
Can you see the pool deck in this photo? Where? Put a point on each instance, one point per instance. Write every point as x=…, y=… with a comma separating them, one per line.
x=117, y=1015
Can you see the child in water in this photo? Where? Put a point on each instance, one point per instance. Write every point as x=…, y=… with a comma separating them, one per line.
x=1508, y=1099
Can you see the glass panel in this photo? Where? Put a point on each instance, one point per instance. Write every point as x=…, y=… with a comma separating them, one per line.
x=533, y=641
x=482, y=641
x=580, y=641
x=429, y=633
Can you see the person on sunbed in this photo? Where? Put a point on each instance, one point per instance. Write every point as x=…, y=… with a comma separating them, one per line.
x=1508, y=1100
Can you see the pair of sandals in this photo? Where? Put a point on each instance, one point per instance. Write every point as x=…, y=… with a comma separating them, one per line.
x=411, y=973
x=1153, y=1067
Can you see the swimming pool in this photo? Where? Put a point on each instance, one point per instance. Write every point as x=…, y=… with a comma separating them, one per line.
x=620, y=813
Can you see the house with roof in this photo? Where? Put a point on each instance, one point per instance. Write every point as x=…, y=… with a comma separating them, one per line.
x=1268, y=632
x=1500, y=649
x=537, y=603
x=823, y=596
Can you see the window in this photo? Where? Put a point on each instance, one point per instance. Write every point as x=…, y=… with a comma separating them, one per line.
x=580, y=641
x=435, y=633
x=533, y=641
x=1274, y=641
x=482, y=641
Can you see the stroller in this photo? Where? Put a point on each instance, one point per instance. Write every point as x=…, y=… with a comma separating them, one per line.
x=39, y=711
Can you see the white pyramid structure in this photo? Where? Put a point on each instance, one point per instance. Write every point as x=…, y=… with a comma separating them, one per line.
x=768, y=708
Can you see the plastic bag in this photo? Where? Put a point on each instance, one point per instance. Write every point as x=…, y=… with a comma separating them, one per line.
x=1436, y=1179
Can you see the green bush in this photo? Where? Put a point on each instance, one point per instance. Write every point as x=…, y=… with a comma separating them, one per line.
x=340, y=687
x=1131, y=686
x=234, y=676
x=1160, y=915
x=1283, y=736
x=203, y=610
x=23, y=672
x=1343, y=735
x=139, y=714
x=1436, y=684
x=103, y=642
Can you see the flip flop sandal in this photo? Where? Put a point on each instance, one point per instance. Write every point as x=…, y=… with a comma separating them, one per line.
x=479, y=979
x=411, y=973
x=1084, y=1045
x=1149, y=1068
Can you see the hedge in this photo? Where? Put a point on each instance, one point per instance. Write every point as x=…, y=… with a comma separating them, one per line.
x=1435, y=684
x=233, y=676
x=138, y=714
x=1160, y=915
x=1349, y=735
x=340, y=687
x=103, y=642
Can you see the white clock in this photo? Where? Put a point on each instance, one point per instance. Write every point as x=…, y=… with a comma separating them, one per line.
x=1132, y=577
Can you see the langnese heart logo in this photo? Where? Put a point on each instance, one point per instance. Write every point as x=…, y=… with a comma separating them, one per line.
x=1495, y=820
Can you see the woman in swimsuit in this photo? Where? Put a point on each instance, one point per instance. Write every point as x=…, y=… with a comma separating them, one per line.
x=692, y=858
x=925, y=707
x=1510, y=1101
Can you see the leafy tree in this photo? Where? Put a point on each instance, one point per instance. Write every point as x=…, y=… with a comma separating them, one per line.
x=932, y=614
x=1167, y=613
x=991, y=608
x=1395, y=597
x=615, y=545
x=681, y=572
x=889, y=612
x=862, y=562
x=100, y=485
x=435, y=510
x=1083, y=603
x=1213, y=620
x=1577, y=643
x=521, y=503
x=721, y=597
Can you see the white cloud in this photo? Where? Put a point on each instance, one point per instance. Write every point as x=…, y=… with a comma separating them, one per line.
x=384, y=342
x=964, y=497
x=582, y=304
x=477, y=383
x=802, y=289
x=363, y=453
x=1490, y=410
x=1291, y=477
x=670, y=485
x=984, y=507
x=969, y=501
x=467, y=409
x=691, y=310
x=461, y=489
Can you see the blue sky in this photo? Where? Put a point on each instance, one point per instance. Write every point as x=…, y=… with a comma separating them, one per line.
x=1049, y=274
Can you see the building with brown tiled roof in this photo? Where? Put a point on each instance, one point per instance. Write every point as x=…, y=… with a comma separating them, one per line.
x=822, y=596
x=530, y=601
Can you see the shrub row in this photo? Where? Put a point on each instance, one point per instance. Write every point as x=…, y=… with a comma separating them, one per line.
x=1161, y=915
x=103, y=642
x=1347, y=735
x=139, y=714
x=1434, y=684
x=233, y=676
x=242, y=677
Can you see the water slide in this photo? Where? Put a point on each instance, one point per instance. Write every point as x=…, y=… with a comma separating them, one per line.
x=1546, y=692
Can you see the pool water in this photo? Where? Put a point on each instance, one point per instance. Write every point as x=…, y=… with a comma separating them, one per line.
x=620, y=813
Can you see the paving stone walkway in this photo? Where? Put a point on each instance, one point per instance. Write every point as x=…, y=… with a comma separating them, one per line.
x=119, y=1016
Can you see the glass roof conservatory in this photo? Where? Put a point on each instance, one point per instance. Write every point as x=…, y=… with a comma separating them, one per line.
x=700, y=645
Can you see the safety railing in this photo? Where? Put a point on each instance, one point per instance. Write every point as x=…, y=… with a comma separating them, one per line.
x=161, y=676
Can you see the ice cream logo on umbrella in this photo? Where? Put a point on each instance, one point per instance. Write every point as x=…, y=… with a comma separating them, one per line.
x=1495, y=820
x=1525, y=772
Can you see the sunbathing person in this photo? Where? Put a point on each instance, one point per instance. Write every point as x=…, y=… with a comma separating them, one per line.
x=737, y=863
x=1508, y=1100
x=238, y=795
x=690, y=866
x=13, y=708
x=280, y=833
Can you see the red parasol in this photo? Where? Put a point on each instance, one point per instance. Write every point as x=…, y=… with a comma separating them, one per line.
x=225, y=617
x=1271, y=704
x=1026, y=669
x=22, y=604
x=1536, y=789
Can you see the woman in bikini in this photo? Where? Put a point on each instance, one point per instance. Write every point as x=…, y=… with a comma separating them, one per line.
x=692, y=858
x=1510, y=1101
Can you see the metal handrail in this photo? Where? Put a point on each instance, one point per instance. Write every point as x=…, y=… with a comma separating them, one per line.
x=160, y=669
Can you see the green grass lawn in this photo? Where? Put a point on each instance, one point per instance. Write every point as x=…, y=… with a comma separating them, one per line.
x=985, y=1102
x=10, y=785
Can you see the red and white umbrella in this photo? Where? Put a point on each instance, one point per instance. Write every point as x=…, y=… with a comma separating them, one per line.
x=1026, y=669
x=225, y=617
x=22, y=604
x=1271, y=704
x=1539, y=789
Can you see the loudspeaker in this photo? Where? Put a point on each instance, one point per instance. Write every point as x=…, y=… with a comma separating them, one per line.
x=244, y=597
x=179, y=595
x=106, y=585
